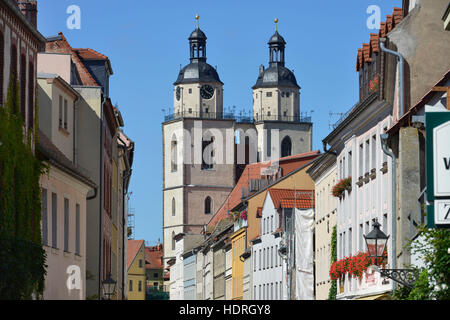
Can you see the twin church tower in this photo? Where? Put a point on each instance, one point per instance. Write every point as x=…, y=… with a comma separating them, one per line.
x=205, y=148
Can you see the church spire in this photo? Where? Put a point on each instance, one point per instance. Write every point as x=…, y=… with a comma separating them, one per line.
x=276, y=47
x=197, y=44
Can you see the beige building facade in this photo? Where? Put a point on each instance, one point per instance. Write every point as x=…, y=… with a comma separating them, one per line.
x=323, y=172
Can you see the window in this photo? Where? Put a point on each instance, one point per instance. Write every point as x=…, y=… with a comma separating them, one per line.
x=23, y=86
x=173, y=207
x=77, y=229
x=174, y=152
x=206, y=110
x=361, y=237
x=13, y=72
x=264, y=258
x=361, y=157
x=367, y=159
x=131, y=285
x=65, y=114
x=66, y=225
x=350, y=163
x=286, y=147
x=208, y=205
x=269, y=94
x=173, y=240
x=350, y=241
x=207, y=154
x=155, y=275
x=190, y=91
x=288, y=94
x=260, y=263
x=140, y=263
x=60, y=111
x=54, y=221
x=30, y=95
x=374, y=151
x=44, y=217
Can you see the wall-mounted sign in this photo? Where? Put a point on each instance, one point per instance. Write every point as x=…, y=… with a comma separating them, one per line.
x=438, y=167
x=441, y=159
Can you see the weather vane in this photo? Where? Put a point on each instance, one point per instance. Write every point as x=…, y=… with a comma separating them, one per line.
x=276, y=21
x=196, y=18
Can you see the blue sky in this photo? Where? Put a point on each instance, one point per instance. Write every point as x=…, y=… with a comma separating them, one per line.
x=146, y=42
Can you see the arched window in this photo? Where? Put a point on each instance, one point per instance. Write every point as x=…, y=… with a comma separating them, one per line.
x=286, y=147
x=207, y=205
x=23, y=86
x=174, y=153
x=13, y=78
x=173, y=207
x=173, y=240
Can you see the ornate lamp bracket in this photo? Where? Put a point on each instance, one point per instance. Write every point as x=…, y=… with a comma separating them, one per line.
x=406, y=277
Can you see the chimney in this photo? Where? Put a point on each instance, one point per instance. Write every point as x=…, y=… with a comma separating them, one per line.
x=29, y=10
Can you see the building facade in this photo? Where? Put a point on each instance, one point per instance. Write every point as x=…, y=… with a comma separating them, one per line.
x=323, y=172
x=136, y=270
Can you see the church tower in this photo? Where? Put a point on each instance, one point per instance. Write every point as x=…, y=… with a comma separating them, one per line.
x=276, y=107
x=198, y=159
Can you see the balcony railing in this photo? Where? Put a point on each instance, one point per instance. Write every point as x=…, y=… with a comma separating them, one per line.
x=231, y=116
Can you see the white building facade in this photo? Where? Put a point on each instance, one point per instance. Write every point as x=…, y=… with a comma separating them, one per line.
x=267, y=270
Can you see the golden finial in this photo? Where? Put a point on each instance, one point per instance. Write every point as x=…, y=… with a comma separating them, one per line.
x=276, y=21
x=196, y=18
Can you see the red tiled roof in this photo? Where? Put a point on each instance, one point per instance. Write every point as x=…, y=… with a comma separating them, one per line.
x=253, y=171
x=286, y=198
x=153, y=257
x=63, y=46
x=365, y=54
x=90, y=54
x=133, y=249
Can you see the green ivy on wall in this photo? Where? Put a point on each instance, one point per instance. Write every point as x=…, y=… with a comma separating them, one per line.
x=333, y=289
x=22, y=258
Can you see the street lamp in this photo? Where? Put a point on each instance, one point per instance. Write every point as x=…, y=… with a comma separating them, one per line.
x=109, y=286
x=376, y=241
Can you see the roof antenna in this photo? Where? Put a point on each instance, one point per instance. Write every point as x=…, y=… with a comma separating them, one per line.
x=276, y=23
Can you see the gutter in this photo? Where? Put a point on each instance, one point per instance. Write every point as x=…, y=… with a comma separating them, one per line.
x=389, y=153
x=401, y=62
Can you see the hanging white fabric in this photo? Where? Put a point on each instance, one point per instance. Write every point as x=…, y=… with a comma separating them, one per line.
x=304, y=226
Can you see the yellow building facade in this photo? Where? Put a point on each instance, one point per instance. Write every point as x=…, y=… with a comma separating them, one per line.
x=136, y=270
x=238, y=247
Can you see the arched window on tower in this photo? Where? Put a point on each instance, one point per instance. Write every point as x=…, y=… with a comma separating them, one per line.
x=174, y=154
x=286, y=147
x=208, y=203
x=173, y=240
x=173, y=207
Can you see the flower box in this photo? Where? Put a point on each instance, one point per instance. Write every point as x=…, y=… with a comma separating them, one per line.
x=339, y=188
x=360, y=181
x=384, y=169
x=366, y=178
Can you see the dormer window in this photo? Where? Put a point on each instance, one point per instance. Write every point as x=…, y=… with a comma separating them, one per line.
x=269, y=94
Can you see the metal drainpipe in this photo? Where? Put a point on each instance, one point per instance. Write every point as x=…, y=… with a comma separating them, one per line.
x=389, y=153
x=401, y=61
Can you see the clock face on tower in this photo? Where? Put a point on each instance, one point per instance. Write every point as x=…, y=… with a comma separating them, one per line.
x=178, y=93
x=206, y=91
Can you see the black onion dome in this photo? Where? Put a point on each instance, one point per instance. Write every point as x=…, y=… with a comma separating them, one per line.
x=197, y=34
x=276, y=76
x=197, y=71
x=276, y=38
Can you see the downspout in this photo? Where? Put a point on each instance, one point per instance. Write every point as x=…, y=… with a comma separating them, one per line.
x=389, y=153
x=401, y=62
